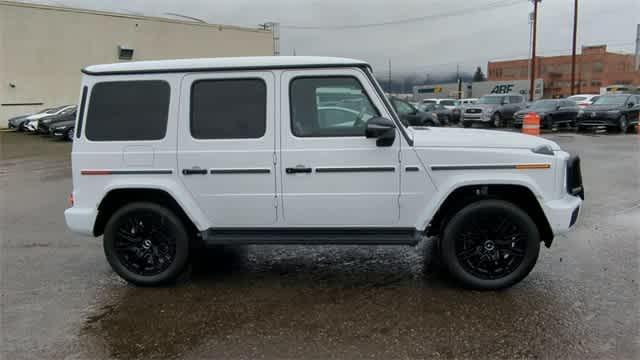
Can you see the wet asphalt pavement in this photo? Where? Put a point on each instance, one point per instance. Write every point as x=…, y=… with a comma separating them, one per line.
x=59, y=298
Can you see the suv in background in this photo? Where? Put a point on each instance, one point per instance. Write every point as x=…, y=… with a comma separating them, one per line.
x=616, y=111
x=493, y=110
x=170, y=156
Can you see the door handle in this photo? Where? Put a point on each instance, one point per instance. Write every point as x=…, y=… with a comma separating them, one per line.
x=300, y=169
x=194, y=171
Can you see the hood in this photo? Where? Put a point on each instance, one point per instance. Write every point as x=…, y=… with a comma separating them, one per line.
x=455, y=137
x=603, y=107
x=526, y=111
x=484, y=107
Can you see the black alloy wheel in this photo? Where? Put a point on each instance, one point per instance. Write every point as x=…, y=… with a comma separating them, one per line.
x=496, y=120
x=146, y=244
x=490, y=244
x=622, y=124
x=69, y=134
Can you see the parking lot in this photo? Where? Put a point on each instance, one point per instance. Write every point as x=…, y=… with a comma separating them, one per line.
x=60, y=299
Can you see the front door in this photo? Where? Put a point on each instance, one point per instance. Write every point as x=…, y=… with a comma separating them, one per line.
x=332, y=175
x=227, y=146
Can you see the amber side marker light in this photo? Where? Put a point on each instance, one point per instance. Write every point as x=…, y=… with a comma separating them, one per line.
x=532, y=166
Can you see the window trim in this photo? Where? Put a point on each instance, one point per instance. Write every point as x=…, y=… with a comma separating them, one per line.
x=325, y=77
x=81, y=109
x=166, y=130
x=222, y=79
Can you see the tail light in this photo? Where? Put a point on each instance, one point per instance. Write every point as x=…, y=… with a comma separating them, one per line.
x=70, y=200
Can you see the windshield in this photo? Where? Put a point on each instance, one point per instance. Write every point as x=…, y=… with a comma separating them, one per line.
x=611, y=100
x=544, y=104
x=490, y=100
x=448, y=102
x=577, y=98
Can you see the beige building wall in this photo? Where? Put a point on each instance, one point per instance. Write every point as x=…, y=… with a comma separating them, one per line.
x=43, y=49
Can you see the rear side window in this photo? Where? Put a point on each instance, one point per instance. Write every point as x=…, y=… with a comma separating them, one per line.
x=228, y=109
x=448, y=102
x=128, y=110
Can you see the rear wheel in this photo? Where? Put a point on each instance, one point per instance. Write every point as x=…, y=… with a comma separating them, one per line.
x=146, y=244
x=490, y=245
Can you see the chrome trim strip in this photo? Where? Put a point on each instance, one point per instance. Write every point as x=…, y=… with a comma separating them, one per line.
x=239, y=171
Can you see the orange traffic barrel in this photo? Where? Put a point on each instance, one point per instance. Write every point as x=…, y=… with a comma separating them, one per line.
x=531, y=124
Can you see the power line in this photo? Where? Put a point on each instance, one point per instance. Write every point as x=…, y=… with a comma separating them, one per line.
x=486, y=7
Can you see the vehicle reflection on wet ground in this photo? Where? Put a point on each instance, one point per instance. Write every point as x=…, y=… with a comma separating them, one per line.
x=60, y=298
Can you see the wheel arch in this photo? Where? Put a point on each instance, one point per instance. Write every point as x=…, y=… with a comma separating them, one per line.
x=116, y=198
x=517, y=194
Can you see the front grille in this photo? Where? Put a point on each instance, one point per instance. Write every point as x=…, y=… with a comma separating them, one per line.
x=574, y=177
x=473, y=111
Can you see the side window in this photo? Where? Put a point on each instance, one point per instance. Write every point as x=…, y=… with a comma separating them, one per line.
x=515, y=99
x=83, y=100
x=228, y=109
x=128, y=110
x=329, y=106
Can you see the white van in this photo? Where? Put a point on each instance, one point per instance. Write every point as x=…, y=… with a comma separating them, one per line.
x=173, y=155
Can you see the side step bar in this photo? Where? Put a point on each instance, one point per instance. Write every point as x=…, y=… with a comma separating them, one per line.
x=311, y=236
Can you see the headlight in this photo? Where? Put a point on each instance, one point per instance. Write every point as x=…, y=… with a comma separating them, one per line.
x=434, y=115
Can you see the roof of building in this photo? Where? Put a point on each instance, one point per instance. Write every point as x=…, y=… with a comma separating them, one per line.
x=222, y=63
x=128, y=15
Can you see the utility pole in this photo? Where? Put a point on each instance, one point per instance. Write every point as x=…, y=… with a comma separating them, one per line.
x=533, y=49
x=573, y=52
x=638, y=49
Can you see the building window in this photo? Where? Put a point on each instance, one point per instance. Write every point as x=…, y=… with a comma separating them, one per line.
x=596, y=83
x=125, y=53
x=597, y=67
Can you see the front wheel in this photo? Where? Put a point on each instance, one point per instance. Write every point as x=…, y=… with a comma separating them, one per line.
x=466, y=124
x=496, y=120
x=69, y=135
x=146, y=244
x=622, y=124
x=490, y=245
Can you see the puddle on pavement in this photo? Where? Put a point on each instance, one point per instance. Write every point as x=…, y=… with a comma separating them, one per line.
x=295, y=302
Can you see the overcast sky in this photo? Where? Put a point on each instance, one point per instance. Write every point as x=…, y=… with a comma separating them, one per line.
x=465, y=32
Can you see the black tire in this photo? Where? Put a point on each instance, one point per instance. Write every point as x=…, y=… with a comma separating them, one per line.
x=496, y=120
x=622, y=124
x=466, y=124
x=69, y=135
x=129, y=251
x=490, y=229
x=429, y=123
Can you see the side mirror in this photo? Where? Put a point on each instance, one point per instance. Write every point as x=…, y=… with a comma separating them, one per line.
x=631, y=105
x=384, y=130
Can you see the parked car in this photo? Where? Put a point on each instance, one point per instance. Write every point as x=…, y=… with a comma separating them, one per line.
x=63, y=129
x=202, y=152
x=616, y=111
x=67, y=114
x=551, y=112
x=493, y=110
x=411, y=116
x=584, y=100
x=16, y=122
x=444, y=115
x=31, y=123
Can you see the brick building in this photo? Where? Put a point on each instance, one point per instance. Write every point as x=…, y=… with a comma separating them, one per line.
x=595, y=68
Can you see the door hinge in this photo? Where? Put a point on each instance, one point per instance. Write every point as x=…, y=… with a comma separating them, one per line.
x=275, y=159
x=275, y=201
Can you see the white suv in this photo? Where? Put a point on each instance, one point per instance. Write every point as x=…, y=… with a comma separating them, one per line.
x=173, y=155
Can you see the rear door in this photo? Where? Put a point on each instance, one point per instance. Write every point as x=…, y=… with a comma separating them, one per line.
x=226, y=146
